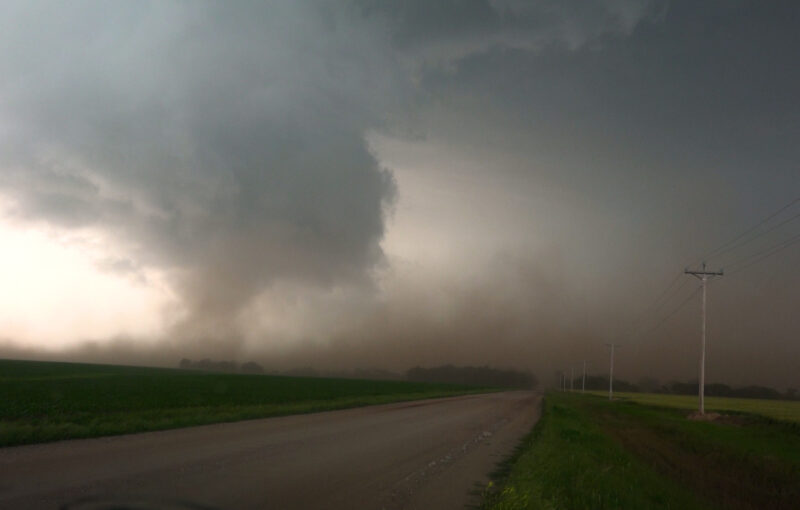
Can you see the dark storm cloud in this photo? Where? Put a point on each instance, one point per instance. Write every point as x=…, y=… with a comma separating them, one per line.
x=704, y=89
x=222, y=141
x=644, y=152
x=225, y=143
x=447, y=30
x=680, y=134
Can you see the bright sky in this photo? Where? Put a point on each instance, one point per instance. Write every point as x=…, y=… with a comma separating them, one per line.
x=53, y=294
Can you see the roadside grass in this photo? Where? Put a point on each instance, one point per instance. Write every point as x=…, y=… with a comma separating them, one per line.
x=787, y=410
x=587, y=452
x=49, y=401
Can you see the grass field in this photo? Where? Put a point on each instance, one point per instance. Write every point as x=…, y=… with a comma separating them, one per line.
x=45, y=401
x=788, y=410
x=587, y=452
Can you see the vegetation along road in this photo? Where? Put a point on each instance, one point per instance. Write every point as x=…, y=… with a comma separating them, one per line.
x=588, y=452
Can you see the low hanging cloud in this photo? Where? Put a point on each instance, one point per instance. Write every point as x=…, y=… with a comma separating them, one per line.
x=225, y=143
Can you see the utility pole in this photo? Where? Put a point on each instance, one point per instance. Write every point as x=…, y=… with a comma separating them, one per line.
x=703, y=275
x=611, y=373
x=583, y=381
x=571, y=377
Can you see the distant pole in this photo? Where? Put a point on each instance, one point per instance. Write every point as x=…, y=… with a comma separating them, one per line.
x=611, y=373
x=571, y=377
x=583, y=381
x=703, y=276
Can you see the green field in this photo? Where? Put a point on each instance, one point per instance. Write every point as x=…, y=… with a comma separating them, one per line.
x=587, y=452
x=788, y=410
x=45, y=401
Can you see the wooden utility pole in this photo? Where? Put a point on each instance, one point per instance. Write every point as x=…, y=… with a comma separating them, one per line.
x=611, y=373
x=583, y=381
x=703, y=275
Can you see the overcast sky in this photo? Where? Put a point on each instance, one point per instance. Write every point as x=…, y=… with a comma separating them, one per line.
x=382, y=184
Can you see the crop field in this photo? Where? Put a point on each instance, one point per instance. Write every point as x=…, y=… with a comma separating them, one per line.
x=46, y=401
x=788, y=410
x=588, y=452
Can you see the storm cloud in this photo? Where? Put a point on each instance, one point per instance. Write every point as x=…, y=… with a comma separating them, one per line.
x=224, y=143
x=217, y=142
x=378, y=183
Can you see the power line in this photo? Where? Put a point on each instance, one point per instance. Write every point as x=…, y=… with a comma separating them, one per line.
x=583, y=381
x=757, y=257
x=707, y=277
x=637, y=331
x=760, y=234
x=669, y=293
x=652, y=306
x=672, y=313
x=664, y=297
x=703, y=275
x=716, y=251
x=611, y=372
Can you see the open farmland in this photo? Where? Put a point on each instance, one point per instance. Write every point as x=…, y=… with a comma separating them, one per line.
x=588, y=452
x=787, y=410
x=45, y=401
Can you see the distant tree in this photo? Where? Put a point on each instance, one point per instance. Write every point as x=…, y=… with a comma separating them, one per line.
x=596, y=382
x=723, y=390
x=372, y=374
x=649, y=384
x=600, y=382
x=185, y=363
x=215, y=366
x=227, y=366
x=757, y=392
x=475, y=376
x=251, y=367
x=303, y=372
x=683, y=388
x=718, y=390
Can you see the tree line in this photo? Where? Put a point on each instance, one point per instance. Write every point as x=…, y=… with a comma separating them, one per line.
x=649, y=385
x=250, y=367
x=473, y=376
x=446, y=374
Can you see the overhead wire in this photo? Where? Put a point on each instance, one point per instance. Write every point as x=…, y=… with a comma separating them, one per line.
x=637, y=331
x=672, y=313
x=760, y=234
x=743, y=239
x=663, y=298
x=653, y=306
x=718, y=250
x=757, y=257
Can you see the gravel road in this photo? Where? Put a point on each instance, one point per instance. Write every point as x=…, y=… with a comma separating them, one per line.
x=431, y=454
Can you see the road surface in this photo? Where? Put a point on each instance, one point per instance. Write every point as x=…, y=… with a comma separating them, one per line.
x=412, y=455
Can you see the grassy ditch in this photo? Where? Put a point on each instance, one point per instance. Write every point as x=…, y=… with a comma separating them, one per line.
x=587, y=452
x=45, y=401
